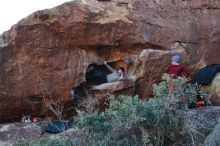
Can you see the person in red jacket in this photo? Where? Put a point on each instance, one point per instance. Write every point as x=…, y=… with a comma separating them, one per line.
x=176, y=69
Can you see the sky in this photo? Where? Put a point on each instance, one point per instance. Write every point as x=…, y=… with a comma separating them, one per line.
x=12, y=11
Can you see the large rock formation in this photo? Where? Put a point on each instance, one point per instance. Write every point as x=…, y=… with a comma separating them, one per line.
x=44, y=55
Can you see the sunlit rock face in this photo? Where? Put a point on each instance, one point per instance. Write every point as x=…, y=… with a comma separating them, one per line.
x=46, y=54
x=216, y=90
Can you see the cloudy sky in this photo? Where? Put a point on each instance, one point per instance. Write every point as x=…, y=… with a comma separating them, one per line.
x=11, y=11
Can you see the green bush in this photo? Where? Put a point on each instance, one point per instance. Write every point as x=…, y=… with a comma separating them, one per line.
x=47, y=142
x=119, y=124
x=132, y=121
x=175, y=87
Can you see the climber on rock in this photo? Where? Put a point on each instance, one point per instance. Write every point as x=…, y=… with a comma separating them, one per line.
x=98, y=77
x=115, y=75
x=176, y=69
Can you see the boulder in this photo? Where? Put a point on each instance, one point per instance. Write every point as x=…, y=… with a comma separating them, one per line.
x=213, y=139
x=214, y=90
x=203, y=124
x=101, y=92
x=47, y=53
x=17, y=133
x=125, y=87
x=207, y=117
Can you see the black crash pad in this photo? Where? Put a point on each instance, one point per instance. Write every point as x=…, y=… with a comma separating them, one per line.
x=57, y=126
x=205, y=75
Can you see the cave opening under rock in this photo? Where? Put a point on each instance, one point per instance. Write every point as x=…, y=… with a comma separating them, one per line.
x=92, y=82
x=100, y=72
x=81, y=92
x=95, y=74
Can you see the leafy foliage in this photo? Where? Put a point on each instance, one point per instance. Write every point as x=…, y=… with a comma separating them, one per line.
x=119, y=124
x=178, y=88
x=132, y=121
x=47, y=142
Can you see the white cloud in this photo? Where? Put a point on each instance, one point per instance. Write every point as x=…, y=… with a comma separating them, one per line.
x=12, y=11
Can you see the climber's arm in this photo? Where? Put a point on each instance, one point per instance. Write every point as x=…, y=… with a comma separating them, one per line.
x=109, y=67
